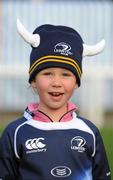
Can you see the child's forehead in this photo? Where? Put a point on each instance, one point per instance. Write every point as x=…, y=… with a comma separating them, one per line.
x=56, y=69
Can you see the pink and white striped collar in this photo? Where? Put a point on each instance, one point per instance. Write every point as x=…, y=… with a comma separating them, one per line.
x=40, y=116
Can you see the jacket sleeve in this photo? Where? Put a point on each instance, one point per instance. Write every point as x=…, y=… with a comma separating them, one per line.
x=8, y=161
x=101, y=170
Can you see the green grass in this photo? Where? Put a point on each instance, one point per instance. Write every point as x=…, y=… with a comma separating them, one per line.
x=1, y=129
x=107, y=134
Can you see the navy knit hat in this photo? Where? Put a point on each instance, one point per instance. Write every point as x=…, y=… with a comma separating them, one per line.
x=57, y=46
x=60, y=46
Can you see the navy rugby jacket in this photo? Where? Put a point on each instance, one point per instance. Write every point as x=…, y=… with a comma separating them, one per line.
x=34, y=150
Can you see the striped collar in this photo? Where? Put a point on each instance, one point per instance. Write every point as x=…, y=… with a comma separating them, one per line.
x=33, y=112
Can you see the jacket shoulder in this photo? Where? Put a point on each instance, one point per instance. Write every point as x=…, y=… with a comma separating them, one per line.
x=90, y=124
x=13, y=125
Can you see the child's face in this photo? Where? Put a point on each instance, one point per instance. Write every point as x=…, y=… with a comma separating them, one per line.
x=54, y=87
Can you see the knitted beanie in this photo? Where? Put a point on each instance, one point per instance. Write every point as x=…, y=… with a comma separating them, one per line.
x=60, y=46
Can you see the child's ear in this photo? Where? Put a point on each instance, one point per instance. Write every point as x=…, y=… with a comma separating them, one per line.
x=76, y=86
x=33, y=84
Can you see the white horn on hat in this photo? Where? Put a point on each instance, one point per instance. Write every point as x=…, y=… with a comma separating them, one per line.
x=32, y=39
x=91, y=50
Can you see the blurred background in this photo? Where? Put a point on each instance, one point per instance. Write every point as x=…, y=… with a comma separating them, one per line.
x=93, y=20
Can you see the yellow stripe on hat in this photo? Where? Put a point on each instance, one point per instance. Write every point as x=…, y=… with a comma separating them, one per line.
x=55, y=59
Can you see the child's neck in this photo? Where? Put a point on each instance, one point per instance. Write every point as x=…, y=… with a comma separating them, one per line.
x=54, y=114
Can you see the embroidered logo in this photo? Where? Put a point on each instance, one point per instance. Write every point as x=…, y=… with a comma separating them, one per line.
x=61, y=171
x=77, y=143
x=35, y=145
x=63, y=48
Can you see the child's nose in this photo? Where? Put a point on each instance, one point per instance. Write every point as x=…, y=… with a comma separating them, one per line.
x=56, y=81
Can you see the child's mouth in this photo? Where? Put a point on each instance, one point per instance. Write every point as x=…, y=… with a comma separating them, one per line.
x=55, y=94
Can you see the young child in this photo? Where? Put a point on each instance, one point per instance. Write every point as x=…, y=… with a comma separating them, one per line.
x=50, y=141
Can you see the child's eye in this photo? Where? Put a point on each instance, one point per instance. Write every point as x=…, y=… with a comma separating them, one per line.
x=66, y=74
x=47, y=73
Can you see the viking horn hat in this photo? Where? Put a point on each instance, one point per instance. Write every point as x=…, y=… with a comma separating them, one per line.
x=34, y=41
x=57, y=46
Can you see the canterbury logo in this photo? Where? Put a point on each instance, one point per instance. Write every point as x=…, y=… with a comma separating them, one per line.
x=36, y=143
